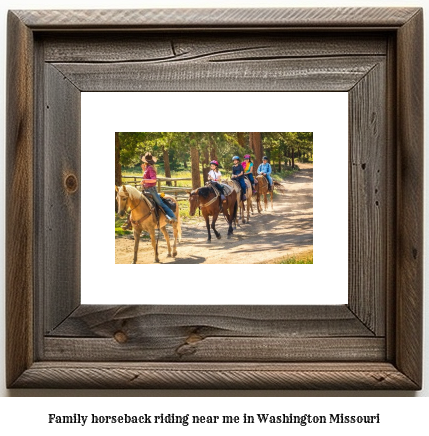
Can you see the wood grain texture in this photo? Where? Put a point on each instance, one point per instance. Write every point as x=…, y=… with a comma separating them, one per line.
x=19, y=200
x=61, y=186
x=409, y=263
x=215, y=376
x=208, y=18
x=154, y=347
x=99, y=321
x=300, y=74
x=213, y=333
x=368, y=202
x=171, y=47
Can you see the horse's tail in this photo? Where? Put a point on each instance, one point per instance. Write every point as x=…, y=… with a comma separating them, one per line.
x=278, y=186
x=179, y=224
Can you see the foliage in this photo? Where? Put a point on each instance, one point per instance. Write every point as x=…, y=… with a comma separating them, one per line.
x=220, y=145
x=306, y=258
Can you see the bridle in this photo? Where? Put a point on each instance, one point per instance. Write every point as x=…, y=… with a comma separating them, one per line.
x=209, y=202
x=142, y=197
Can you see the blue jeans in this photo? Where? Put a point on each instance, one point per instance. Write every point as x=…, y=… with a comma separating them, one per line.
x=250, y=177
x=243, y=186
x=160, y=203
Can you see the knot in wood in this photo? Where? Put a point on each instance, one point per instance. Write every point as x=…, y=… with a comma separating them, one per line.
x=120, y=337
x=71, y=183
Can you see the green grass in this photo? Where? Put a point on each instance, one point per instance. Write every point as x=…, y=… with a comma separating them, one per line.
x=119, y=231
x=303, y=259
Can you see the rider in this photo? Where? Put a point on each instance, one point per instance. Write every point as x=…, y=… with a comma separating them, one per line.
x=265, y=169
x=238, y=174
x=149, y=184
x=215, y=177
x=248, y=169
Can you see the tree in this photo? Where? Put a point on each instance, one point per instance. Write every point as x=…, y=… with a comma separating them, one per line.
x=195, y=164
x=256, y=146
x=118, y=168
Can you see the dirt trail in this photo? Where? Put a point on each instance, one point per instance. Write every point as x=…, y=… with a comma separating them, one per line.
x=286, y=230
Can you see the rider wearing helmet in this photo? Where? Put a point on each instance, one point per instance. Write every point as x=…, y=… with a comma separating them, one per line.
x=215, y=177
x=247, y=165
x=265, y=169
x=238, y=174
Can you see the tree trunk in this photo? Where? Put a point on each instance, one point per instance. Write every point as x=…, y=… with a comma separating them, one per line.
x=195, y=167
x=256, y=145
x=240, y=139
x=206, y=165
x=166, y=163
x=293, y=158
x=118, y=169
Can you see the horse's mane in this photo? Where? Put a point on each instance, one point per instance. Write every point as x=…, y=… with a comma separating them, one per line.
x=205, y=191
x=134, y=193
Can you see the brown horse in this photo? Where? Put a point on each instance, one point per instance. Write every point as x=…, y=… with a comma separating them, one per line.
x=211, y=204
x=143, y=217
x=242, y=204
x=262, y=190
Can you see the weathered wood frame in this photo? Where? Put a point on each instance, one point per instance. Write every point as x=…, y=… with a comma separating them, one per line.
x=374, y=342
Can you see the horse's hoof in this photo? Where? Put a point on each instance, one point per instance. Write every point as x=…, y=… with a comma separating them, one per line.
x=229, y=236
x=156, y=261
x=208, y=241
x=168, y=255
x=218, y=236
x=175, y=254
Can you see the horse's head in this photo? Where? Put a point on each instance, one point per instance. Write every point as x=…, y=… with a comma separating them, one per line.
x=193, y=201
x=122, y=197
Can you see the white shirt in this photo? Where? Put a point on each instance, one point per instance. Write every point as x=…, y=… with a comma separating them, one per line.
x=215, y=175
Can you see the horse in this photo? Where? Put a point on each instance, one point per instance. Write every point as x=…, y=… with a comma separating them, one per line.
x=210, y=203
x=262, y=190
x=143, y=217
x=237, y=189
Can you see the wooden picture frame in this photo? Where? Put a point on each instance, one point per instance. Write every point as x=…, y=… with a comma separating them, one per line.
x=373, y=342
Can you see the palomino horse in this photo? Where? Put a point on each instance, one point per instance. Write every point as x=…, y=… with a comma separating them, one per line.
x=143, y=217
x=237, y=189
x=209, y=202
x=262, y=190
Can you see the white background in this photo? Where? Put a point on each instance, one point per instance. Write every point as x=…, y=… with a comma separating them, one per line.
x=402, y=414
x=323, y=113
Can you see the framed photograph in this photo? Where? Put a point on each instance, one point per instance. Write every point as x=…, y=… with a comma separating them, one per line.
x=58, y=61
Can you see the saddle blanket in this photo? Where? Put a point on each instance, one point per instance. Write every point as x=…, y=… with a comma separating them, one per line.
x=227, y=189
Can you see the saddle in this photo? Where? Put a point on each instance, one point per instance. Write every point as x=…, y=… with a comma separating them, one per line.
x=169, y=203
x=236, y=184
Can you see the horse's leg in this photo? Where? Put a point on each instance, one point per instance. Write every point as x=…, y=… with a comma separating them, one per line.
x=258, y=202
x=266, y=200
x=136, y=243
x=175, y=234
x=215, y=215
x=229, y=214
x=271, y=198
x=209, y=236
x=154, y=244
x=167, y=238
